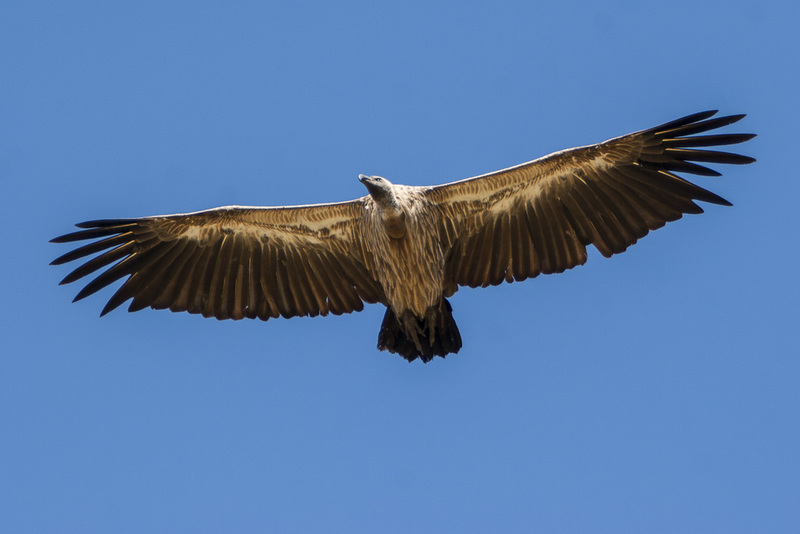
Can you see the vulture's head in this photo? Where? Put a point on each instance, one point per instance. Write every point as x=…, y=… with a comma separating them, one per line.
x=380, y=189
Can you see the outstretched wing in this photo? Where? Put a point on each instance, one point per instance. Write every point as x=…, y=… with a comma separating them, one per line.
x=231, y=262
x=540, y=216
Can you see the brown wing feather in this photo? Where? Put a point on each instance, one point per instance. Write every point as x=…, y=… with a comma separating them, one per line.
x=231, y=263
x=540, y=216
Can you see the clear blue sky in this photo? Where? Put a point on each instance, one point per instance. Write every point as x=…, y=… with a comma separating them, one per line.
x=654, y=392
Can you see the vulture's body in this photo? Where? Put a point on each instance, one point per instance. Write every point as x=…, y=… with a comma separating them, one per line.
x=407, y=247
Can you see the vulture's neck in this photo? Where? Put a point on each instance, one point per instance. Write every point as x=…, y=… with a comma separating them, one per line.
x=394, y=220
x=392, y=215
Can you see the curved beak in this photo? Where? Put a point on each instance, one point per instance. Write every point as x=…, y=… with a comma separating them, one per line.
x=363, y=178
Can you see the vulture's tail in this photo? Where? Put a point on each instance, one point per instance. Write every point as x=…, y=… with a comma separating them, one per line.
x=412, y=337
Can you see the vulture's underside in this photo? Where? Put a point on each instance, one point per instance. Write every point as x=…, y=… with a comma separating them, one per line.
x=407, y=247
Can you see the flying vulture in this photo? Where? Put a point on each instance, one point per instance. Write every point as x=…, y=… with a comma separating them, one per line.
x=407, y=247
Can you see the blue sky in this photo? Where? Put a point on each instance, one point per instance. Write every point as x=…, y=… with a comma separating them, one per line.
x=656, y=391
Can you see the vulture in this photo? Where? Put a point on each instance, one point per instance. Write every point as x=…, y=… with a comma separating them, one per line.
x=407, y=247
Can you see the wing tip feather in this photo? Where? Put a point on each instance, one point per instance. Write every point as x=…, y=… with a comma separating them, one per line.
x=104, y=223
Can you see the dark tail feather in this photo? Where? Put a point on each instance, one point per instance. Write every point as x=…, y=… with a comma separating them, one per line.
x=435, y=334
